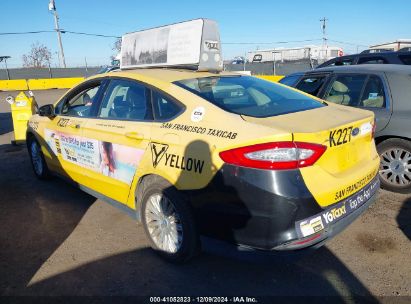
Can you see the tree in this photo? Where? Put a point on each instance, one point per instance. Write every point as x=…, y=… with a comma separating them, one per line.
x=39, y=56
x=116, y=47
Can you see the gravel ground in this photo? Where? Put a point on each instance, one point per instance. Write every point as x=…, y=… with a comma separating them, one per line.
x=57, y=240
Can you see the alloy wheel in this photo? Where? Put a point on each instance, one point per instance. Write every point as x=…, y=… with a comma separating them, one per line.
x=395, y=167
x=163, y=223
x=36, y=158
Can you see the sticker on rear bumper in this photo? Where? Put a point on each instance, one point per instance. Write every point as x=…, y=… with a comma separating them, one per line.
x=337, y=212
x=311, y=226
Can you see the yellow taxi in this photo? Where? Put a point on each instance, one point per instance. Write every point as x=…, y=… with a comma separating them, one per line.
x=210, y=153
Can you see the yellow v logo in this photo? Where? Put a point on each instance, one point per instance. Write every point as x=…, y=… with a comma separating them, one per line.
x=157, y=152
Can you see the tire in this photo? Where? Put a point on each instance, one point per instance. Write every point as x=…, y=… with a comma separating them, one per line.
x=37, y=159
x=168, y=221
x=395, y=166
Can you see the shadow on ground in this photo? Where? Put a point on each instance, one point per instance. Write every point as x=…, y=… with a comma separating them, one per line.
x=6, y=123
x=141, y=272
x=404, y=218
x=35, y=217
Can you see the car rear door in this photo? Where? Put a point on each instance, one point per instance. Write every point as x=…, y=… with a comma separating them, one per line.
x=121, y=132
x=362, y=90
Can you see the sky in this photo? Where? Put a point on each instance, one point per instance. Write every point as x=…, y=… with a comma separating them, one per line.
x=244, y=25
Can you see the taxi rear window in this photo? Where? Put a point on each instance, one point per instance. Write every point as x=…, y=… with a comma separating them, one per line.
x=250, y=96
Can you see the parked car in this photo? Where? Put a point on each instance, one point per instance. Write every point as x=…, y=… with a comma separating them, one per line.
x=383, y=89
x=108, y=68
x=238, y=60
x=400, y=57
x=228, y=156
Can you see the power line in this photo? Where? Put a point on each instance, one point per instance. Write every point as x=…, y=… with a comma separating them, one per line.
x=90, y=34
x=233, y=43
x=61, y=31
x=349, y=43
x=24, y=33
x=276, y=42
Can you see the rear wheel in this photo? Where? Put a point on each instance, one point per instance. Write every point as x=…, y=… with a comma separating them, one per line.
x=37, y=159
x=168, y=221
x=395, y=166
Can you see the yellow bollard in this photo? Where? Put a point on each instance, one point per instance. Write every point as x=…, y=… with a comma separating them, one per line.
x=22, y=107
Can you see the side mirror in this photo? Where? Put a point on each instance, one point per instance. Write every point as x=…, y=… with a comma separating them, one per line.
x=47, y=110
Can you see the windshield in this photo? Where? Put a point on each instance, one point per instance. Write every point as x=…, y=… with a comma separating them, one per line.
x=249, y=96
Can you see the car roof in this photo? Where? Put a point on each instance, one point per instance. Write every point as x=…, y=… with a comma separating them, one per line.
x=391, y=68
x=167, y=74
x=296, y=74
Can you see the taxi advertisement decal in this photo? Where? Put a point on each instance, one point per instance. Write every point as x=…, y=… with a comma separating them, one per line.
x=337, y=212
x=113, y=160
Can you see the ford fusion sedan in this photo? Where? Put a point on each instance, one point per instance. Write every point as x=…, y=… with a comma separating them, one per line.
x=227, y=156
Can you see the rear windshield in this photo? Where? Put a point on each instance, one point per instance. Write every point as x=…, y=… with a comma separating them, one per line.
x=249, y=96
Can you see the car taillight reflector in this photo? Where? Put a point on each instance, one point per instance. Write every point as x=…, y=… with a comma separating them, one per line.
x=275, y=156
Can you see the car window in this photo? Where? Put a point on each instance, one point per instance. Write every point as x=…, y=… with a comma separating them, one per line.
x=80, y=105
x=346, y=89
x=406, y=59
x=126, y=100
x=347, y=61
x=249, y=96
x=164, y=107
x=372, y=60
x=290, y=80
x=373, y=95
x=311, y=84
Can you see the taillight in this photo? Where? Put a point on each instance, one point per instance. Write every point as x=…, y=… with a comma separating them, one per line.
x=275, y=156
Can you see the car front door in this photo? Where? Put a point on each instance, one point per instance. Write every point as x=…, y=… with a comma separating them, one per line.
x=63, y=133
x=120, y=134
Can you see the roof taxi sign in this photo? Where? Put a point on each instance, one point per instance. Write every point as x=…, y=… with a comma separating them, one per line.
x=192, y=44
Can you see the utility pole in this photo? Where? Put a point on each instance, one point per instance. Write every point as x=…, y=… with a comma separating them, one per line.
x=85, y=60
x=324, y=47
x=5, y=62
x=52, y=8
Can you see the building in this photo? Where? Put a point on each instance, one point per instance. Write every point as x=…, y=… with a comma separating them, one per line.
x=311, y=52
x=392, y=46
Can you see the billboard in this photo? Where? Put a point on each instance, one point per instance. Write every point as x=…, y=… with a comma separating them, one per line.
x=194, y=44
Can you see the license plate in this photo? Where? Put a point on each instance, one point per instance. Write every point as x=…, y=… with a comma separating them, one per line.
x=337, y=212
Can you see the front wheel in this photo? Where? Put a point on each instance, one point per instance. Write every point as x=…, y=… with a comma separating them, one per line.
x=37, y=159
x=395, y=166
x=168, y=221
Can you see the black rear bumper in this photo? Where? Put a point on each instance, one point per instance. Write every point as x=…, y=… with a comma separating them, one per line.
x=260, y=208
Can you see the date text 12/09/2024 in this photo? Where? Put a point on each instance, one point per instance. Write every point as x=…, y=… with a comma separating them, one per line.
x=235, y=299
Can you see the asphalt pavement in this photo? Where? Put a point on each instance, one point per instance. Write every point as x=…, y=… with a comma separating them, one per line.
x=57, y=240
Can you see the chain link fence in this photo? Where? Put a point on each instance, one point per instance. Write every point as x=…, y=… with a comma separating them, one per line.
x=42, y=73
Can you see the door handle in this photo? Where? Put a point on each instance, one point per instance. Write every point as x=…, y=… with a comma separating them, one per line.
x=134, y=135
x=75, y=126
